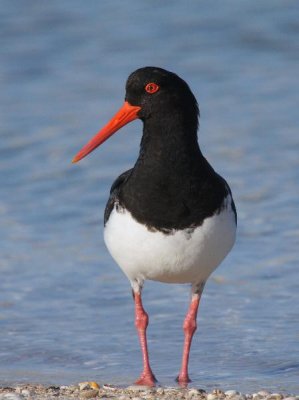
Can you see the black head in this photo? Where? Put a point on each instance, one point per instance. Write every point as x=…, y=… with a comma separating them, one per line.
x=162, y=100
x=158, y=91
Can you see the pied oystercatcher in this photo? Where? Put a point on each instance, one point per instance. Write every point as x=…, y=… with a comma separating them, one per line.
x=171, y=218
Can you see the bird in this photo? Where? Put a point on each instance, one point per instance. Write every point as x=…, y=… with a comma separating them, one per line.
x=171, y=218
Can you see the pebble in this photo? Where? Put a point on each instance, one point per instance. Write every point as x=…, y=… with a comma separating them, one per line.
x=274, y=396
x=257, y=396
x=139, y=388
x=83, y=385
x=231, y=393
x=193, y=392
x=94, y=385
x=212, y=396
x=11, y=396
x=89, y=394
x=263, y=393
x=88, y=385
x=109, y=387
x=26, y=393
x=218, y=392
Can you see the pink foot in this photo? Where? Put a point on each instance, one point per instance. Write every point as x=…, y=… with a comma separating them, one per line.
x=183, y=380
x=146, y=379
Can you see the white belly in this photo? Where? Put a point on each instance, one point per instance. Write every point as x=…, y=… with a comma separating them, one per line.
x=183, y=256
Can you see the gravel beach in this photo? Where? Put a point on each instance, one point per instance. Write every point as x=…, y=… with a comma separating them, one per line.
x=92, y=390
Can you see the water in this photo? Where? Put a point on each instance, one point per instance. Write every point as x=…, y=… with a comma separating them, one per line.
x=66, y=311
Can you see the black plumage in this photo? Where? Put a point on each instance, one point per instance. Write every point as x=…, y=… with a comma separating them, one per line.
x=172, y=186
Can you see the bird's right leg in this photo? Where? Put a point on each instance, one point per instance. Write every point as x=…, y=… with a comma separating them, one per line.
x=141, y=322
x=189, y=327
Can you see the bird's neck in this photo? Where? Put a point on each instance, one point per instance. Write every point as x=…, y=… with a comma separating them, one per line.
x=169, y=142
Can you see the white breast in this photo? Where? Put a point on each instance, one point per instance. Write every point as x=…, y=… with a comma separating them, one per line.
x=183, y=256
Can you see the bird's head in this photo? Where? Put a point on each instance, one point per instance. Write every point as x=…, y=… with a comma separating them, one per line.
x=151, y=94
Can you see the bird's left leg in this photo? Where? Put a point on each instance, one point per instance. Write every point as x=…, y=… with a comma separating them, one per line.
x=189, y=327
x=141, y=322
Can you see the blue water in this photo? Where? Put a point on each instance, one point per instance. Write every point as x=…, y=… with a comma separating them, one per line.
x=66, y=311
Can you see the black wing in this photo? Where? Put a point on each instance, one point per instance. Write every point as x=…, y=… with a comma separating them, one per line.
x=114, y=191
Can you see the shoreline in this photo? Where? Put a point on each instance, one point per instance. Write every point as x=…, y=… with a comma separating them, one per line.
x=92, y=390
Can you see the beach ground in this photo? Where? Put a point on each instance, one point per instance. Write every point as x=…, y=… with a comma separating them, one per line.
x=93, y=390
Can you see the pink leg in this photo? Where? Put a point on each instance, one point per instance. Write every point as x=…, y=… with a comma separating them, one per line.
x=141, y=322
x=189, y=329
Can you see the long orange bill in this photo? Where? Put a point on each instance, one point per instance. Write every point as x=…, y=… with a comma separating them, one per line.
x=126, y=114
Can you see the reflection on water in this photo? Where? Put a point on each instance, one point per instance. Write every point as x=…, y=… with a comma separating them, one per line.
x=66, y=312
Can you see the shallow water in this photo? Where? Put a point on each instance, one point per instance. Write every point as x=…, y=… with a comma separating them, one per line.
x=66, y=311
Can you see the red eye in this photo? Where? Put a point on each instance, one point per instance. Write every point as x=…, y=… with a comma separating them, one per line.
x=152, y=88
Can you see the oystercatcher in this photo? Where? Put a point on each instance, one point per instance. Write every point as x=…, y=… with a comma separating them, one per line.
x=171, y=218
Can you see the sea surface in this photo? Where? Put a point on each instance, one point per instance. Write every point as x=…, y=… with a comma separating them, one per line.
x=66, y=310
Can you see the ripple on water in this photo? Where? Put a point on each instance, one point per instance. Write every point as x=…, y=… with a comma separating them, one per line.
x=66, y=311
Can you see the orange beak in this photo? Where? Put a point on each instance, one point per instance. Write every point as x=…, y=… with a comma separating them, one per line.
x=126, y=114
